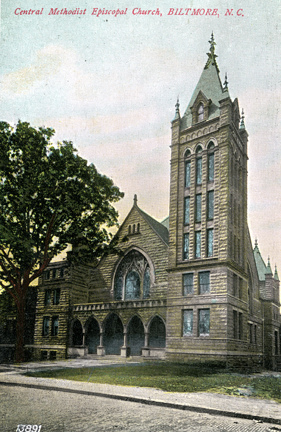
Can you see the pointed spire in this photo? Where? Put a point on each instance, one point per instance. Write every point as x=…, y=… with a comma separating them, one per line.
x=211, y=55
x=242, y=123
x=256, y=245
x=225, y=84
x=135, y=199
x=177, y=113
x=268, y=268
x=276, y=277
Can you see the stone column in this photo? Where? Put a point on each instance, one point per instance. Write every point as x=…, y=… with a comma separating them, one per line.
x=125, y=350
x=145, y=350
x=100, y=348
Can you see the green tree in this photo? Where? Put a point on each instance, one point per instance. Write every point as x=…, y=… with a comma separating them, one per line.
x=49, y=197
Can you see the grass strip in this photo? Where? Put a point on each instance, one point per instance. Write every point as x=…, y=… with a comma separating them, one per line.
x=174, y=377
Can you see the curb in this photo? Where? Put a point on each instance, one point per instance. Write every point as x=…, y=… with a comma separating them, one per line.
x=182, y=407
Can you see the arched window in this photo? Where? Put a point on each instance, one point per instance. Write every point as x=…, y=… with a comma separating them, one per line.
x=199, y=165
x=211, y=161
x=200, y=112
x=187, y=168
x=132, y=278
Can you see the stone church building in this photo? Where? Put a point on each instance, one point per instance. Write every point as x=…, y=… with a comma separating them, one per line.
x=191, y=288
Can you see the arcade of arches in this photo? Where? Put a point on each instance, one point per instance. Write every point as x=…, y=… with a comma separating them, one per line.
x=112, y=337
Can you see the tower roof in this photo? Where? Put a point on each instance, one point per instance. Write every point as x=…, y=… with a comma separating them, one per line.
x=210, y=85
x=261, y=267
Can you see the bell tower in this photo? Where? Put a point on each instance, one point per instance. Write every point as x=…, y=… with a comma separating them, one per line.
x=209, y=238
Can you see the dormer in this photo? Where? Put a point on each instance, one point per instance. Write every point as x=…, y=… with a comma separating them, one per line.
x=200, y=108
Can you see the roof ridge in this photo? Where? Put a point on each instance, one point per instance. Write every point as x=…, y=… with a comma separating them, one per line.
x=157, y=226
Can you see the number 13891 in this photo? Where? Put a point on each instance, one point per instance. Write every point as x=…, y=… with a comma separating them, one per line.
x=28, y=428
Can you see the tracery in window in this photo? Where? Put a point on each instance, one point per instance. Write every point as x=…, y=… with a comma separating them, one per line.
x=132, y=278
x=132, y=285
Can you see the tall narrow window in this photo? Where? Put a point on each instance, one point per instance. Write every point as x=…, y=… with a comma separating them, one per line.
x=186, y=246
x=47, y=301
x=187, y=173
x=187, y=322
x=276, y=342
x=210, y=202
x=200, y=112
x=250, y=326
x=240, y=335
x=210, y=242
x=211, y=167
x=235, y=324
x=198, y=206
x=56, y=298
x=55, y=326
x=197, y=244
x=46, y=326
x=204, y=322
x=204, y=282
x=199, y=170
x=146, y=283
x=132, y=285
x=187, y=283
x=186, y=210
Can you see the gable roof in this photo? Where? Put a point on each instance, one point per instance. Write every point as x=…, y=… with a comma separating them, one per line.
x=158, y=227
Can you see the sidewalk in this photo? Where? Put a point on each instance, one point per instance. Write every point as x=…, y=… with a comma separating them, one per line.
x=211, y=403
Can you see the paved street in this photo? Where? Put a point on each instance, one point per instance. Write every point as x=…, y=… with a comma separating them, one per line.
x=66, y=412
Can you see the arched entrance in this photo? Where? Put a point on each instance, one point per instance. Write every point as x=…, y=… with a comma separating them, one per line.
x=157, y=333
x=92, y=335
x=77, y=333
x=135, y=336
x=113, y=335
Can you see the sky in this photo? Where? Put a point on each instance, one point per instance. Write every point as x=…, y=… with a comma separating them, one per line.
x=110, y=83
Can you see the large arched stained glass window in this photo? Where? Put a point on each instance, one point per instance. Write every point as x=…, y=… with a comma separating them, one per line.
x=132, y=278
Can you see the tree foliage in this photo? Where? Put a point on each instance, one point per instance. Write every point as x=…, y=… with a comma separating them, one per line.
x=49, y=197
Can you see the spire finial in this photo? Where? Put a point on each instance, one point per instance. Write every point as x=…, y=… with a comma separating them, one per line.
x=242, y=123
x=135, y=199
x=212, y=43
x=256, y=242
x=225, y=84
x=211, y=55
x=276, y=277
x=177, y=113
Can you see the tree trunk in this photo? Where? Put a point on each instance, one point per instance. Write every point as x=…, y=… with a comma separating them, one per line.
x=20, y=330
